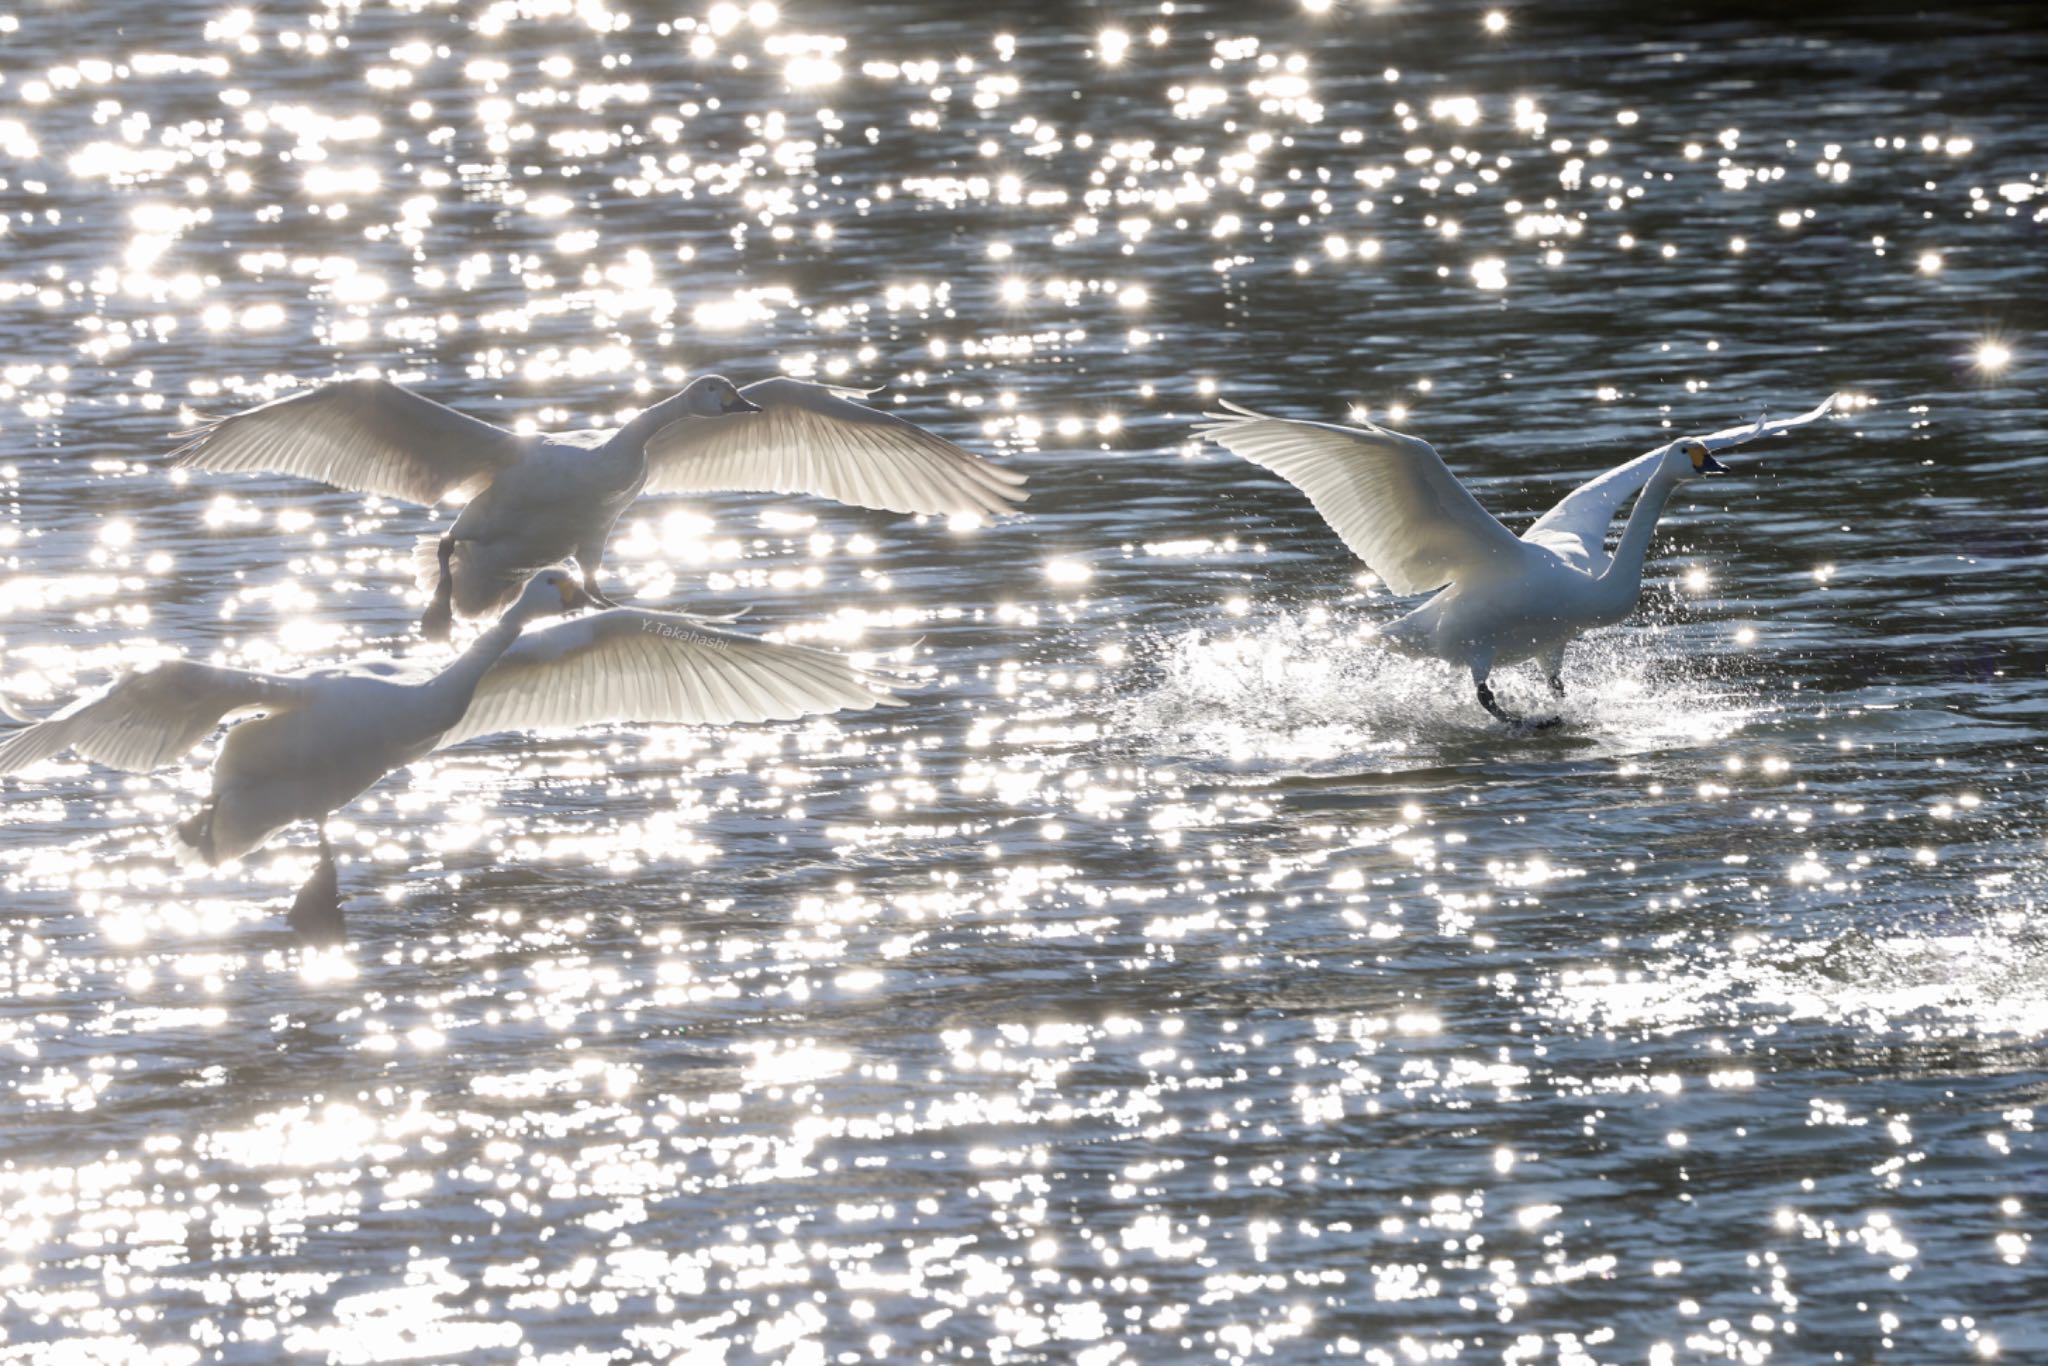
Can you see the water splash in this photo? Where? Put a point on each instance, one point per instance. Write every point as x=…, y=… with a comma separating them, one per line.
x=1314, y=689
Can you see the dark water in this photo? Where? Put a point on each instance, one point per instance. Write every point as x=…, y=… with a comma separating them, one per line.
x=1178, y=978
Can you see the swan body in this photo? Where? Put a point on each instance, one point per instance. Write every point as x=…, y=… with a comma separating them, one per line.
x=1497, y=598
x=314, y=742
x=532, y=501
x=558, y=503
x=331, y=742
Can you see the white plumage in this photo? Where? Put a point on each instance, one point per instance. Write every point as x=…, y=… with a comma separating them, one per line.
x=366, y=435
x=1389, y=496
x=628, y=664
x=535, y=501
x=1576, y=529
x=150, y=718
x=807, y=438
x=316, y=741
x=1498, y=598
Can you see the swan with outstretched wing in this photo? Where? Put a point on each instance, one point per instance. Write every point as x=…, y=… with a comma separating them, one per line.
x=534, y=501
x=302, y=746
x=1498, y=598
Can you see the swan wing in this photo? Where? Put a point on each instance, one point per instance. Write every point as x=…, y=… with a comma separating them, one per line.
x=628, y=664
x=1390, y=496
x=1577, y=527
x=150, y=718
x=1730, y=437
x=368, y=435
x=814, y=439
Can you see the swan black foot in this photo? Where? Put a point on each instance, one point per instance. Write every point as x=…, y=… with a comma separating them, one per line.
x=196, y=830
x=1520, y=723
x=597, y=594
x=316, y=910
x=439, y=622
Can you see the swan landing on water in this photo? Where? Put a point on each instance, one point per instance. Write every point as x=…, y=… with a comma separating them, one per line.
x=321, y=739
x=1499, y=598
x=536, y=500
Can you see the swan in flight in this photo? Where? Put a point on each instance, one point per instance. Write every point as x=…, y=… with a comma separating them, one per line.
x=533, y=501
x=1503, y=598
x=323, y=738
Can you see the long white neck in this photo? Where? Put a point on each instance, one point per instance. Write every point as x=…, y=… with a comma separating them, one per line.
x=455, y=685
x=635, y=435
x=1623, y=578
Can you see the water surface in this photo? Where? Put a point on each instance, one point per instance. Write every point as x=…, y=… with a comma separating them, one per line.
x=1178, y=977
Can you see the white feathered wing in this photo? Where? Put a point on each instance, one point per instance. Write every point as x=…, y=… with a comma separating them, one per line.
x=1576, y=529
x=1390, y=496
x=630, y=665
x=366, y=435
x=150, y=718
x=813, y=439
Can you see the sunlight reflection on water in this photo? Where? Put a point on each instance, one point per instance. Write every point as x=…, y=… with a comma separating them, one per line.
x=1181, y=974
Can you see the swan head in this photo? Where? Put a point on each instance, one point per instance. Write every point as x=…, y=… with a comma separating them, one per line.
x=551, y=593
x=1690, y=458
x=715, y=396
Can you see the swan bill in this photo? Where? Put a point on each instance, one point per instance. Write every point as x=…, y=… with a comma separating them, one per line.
x=1703, y=461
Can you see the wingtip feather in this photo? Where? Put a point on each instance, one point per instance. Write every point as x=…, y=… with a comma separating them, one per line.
x=1234, y=415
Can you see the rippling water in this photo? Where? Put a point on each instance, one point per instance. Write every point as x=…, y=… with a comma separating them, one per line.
x=1179, y=977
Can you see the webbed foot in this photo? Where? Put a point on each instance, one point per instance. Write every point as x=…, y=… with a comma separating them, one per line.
x=1519, y=723
x=597, y=595
x=196, y=830
x=439, y=622
x=316, y=910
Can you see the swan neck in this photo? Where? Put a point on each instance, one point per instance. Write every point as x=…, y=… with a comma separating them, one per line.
x=460, y=679
x=635, y=435
x=1624, y=574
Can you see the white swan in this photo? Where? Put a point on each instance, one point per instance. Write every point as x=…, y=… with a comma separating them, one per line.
x=535, y=501
x=324, y=737
x=1504, y=598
